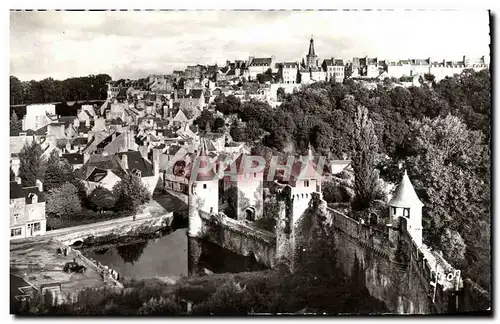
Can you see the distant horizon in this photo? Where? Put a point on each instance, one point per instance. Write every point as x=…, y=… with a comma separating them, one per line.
x=133, y=45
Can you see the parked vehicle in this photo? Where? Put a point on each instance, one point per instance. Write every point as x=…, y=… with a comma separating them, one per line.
x=74, y=267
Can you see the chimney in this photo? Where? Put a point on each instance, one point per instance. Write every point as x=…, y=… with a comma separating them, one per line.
x=18, y=180
x=125, y=161
x=39, y=185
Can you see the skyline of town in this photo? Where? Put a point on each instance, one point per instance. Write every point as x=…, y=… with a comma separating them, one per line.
x=172, y=40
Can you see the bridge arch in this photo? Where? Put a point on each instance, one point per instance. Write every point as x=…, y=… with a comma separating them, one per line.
x=76, y=243
x=250, y=213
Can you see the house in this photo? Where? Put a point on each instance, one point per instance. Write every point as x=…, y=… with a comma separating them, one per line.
x=365, y=67
x=180, y=119
x=288, y=72
x=108, y=170
x=38, y=115
x=335, y=69
x=76, y=160
x=192, y=103
x=105, y=143
x=337, y=166
x=259, y=66
x=27, y=210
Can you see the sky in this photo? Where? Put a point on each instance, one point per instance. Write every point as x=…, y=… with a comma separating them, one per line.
x=136, y=44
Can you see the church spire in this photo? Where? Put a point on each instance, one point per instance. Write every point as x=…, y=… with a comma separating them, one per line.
x=311, y=47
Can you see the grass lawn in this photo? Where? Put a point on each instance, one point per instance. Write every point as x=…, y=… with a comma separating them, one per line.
x=86, y=216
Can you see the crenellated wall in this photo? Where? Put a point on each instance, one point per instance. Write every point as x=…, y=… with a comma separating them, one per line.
x=394, y=270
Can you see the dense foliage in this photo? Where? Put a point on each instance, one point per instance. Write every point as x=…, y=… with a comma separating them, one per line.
x=102, y=199
x=92, y=87
x=31, y=167
x=63, y=200
x=440, y=132
x=15, y=125
x=57, y=172
x=130, y=192
x=317, y=286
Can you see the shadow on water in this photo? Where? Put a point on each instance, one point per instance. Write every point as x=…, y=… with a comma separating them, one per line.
x=132, y=252
x=220, y=260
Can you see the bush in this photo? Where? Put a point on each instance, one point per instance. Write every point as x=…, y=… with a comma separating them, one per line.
x=63, y=200
x=130, y=192
x=102, y=199
x=335, y=193
x=160, y=306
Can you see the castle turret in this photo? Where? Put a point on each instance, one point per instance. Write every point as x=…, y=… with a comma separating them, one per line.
x=203, y=192
x=405, y=203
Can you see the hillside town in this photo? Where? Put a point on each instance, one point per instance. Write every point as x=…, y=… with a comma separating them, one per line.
x=340, y=141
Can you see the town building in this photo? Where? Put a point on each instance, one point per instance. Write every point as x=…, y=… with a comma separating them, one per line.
x=108, y=170
x=38, y=116
x=335, y=69
x=260, y=65
x=27, y=210
x=310, y=71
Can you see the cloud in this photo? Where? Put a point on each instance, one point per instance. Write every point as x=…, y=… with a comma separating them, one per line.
x=135, y=44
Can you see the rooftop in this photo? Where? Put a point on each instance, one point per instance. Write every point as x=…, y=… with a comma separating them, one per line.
x=405, y=195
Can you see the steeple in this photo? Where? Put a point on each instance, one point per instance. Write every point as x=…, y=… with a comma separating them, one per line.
x=311, y=57
x=311, y=47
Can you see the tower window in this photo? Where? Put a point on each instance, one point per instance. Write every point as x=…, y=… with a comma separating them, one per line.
x=255, y=175
x=406, y=212
x=394, y=210
x=306, y=183
x=204, y=186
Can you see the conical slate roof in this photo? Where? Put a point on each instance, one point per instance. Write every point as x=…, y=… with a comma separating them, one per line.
x=405, y=195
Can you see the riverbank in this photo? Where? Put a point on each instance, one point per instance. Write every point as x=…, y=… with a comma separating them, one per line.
x=260, y=292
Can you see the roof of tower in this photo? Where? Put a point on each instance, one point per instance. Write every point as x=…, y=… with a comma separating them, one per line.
x=311, y=48
x=405, y=195
x=203, y=162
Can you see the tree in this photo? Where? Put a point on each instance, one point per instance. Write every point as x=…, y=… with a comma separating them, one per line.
x=450, y=169
x=31, y=166
x=57, y=172
x=160, y=306
x=63, y=200
x=102, y=199
x=453, y=246
x=16, y=91
x=15, y=125
x=270, y=214
x=206, y=118
x=219, y=124
x=130, y=192
x=364, y=147
x=280, y=94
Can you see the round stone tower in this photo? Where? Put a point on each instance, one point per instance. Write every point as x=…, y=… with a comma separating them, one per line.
x=405, y=203
x=203, y=195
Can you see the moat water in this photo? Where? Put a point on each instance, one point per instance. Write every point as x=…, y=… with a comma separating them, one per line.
x=167, y=256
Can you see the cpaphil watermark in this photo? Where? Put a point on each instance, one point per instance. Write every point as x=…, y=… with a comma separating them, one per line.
x=249, y=166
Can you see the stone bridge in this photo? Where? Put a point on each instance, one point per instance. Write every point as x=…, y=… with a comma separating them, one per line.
x=143, y=224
